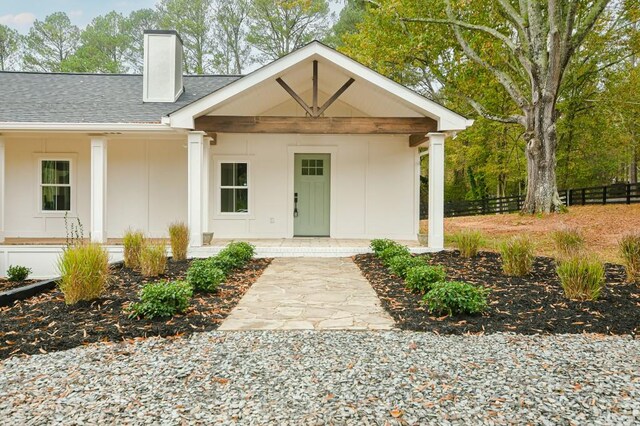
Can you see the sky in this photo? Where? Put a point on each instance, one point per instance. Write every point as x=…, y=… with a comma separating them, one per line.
x=20, y=14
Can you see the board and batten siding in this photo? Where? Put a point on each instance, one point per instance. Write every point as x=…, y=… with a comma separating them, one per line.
x=146, y=184
x=373, y=185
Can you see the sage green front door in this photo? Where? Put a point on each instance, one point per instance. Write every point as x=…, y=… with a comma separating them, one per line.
x=312, y=187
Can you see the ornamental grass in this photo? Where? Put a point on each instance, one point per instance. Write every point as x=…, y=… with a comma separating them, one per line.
x=84, y=272
x=179, y=235
x=153, y=259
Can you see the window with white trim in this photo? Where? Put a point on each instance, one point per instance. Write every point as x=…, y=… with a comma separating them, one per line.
x=55, y=185
x=234, y=187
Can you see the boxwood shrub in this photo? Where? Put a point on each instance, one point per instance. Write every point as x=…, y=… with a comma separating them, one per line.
x=240, y=250
x=162, y=299
x=454, y=297
x=420, y=278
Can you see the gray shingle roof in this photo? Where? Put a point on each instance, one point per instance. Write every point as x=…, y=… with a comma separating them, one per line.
x=91, y=98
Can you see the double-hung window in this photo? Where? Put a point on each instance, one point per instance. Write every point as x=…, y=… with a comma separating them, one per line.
x=55, y=185
x=234, y=187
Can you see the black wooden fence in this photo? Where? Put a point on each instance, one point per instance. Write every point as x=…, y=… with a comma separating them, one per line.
x=628, y=193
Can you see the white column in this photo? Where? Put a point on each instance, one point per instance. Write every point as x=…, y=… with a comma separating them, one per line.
x=206, y=149
x=195, y=156
x=436, y=190
x=2, y=204
x=99, y=189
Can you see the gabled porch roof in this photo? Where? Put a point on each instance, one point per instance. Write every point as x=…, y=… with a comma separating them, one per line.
x=371, y=94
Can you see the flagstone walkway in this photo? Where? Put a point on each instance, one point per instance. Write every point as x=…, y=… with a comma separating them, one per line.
x=310, y=293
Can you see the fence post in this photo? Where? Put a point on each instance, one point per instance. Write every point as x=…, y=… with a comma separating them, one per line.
x=568, y=197
x=628, y=193
x=583, y=196
x=604, y=195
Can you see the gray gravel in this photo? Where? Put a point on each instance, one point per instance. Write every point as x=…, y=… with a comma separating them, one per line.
x=307, y=377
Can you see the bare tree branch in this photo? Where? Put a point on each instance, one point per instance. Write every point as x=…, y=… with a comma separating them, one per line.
x=511, y=119
x=502, y=77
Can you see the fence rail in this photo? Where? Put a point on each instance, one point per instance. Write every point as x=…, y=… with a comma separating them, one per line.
x=628, y=193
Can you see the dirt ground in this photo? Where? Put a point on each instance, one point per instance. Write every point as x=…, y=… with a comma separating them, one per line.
x=602, y=227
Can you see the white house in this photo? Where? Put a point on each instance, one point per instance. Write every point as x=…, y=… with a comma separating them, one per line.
x=313, y=144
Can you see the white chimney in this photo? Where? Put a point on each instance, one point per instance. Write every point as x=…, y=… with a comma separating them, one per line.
x=162, y=76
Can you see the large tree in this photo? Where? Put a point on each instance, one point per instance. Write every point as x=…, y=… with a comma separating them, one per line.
x=193, y=20
x=104, y=45
x=231, y=51
x=282, y=26
x=50, y=43
x=525, y=46
x=9, y=47
x=136, y=23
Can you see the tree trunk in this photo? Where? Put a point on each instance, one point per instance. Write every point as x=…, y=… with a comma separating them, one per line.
x=541, y=142
x=633, y=166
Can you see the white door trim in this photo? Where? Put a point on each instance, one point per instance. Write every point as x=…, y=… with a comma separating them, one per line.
x=292, y=150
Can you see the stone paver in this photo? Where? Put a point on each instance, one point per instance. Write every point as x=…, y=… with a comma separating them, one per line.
x=306, y=293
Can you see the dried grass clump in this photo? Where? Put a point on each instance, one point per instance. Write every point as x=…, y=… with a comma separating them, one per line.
x=468, y=242
x=153, y=259
x=84, y=272
x=179, y=234
x=517, y=256
x=630, y=252
x=133, y=241
x=582, y=278
x=569, y=242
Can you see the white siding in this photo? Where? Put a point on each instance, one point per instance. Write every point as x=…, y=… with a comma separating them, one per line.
x=146, y=185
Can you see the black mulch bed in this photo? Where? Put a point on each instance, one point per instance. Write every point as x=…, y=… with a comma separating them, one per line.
x=44, y=323
x=533, y=304
x=8, y=285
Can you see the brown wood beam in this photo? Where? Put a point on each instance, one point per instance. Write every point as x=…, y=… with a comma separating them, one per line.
x=417, y=139
x=319, y=125
x=314, y=107
x=335, y=96
x=213, y=136
x=295, y=96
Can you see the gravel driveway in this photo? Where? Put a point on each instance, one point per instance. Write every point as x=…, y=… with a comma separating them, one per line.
x=333, y=377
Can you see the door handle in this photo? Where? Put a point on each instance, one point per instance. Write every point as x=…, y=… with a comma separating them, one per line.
x=295, y=204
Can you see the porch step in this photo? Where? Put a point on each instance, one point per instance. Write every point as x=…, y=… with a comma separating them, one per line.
x=207, y=251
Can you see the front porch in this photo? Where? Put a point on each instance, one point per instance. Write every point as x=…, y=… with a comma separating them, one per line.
x=41, y=254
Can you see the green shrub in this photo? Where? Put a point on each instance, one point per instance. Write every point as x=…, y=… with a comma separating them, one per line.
x=400, y=264
x=582, y=278
x=133, y=241
x=569, y=242
x=153, y=259
x=225, y=262
x=179, y=236
x=379, y=244
x=202, y=275
x=454, y=297
x=468, y=242
x=240, y=250
x=630, y=252
x=162, y=299
x=421, y=278
x=18, y=273
x=517, y=256
x=390, y=252
x=84, y=271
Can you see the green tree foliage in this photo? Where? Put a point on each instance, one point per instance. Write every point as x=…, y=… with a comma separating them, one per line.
x=350, y=16
x=50, y=43
x=137, y=22
x=193, y=20
x=104, y=46
x=281, y=26
x=231, y=50
x=9, y=47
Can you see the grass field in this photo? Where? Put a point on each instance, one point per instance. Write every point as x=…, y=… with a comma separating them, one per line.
x=602, y=226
